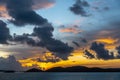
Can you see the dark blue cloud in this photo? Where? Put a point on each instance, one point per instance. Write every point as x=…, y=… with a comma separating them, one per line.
x=4, y=33
x=78, y=7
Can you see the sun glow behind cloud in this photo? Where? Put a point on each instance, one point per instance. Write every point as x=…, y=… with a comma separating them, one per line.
x=4, y=54
x=77, y=59
x=107, y=40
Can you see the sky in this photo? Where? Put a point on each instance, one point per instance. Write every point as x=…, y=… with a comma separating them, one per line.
x=59, y=33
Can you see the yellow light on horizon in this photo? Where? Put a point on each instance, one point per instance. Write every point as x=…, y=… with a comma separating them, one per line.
x=107, y=40
x=4, y=54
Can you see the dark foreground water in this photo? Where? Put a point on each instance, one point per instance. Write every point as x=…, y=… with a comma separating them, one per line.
x=59, y=76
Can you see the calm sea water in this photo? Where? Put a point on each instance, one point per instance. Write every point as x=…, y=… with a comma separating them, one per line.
x=59, y=76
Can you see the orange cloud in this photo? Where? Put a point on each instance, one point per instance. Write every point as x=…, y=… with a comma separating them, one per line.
x=2, y=8
x=106, y=40
x=45, y=5
x=39, y=4
x=70, y=30
x=3, y=12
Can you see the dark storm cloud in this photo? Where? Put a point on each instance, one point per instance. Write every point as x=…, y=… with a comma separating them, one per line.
x=10, y=63
x=44, y=33
x=88, y=55
x=4, y=33
x=22, y=6
x=24, y=39
x=58, y=48
x=83, y=40
x=78, y=7
x=23, y=14
x=118, y=50
x=101, y=52
x=76, y=44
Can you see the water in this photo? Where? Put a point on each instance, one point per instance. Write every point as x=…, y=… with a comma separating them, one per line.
x=59, y=76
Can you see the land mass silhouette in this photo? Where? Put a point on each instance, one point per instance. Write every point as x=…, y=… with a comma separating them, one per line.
x=69, y=69
x=76, y=69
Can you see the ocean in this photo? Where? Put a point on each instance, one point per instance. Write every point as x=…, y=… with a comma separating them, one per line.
x=60, y=76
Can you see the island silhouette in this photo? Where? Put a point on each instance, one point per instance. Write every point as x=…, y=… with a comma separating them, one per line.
x=68, y=69
x=76, y=69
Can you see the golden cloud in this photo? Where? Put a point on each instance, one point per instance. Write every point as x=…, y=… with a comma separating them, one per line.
x=73, y=61
x=106, y=40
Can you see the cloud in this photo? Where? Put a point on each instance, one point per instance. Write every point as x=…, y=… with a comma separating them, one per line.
x=113, y=29
x=45, y=40
x=24, y=14
x=53, y=60
x=107, y=40
x=106, y=8
x=110, y=33
x=3, y=12
x=84, y=40
x=58, y=48
x=22, y=50
x=34, y=4
x=76, y=43
x=118, y=50
x=88, y=55
x=73, y=29
x=48, y=58
x=4, y=33
x=101, y=52
x=25, y=39
x=38, y=4
x=10, y=63
x=78, y=7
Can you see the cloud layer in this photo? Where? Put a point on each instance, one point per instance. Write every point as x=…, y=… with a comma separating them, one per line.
x=4, y=33
x=35, y=5
x=10, y=63
x=101, y=52
x=23, y=14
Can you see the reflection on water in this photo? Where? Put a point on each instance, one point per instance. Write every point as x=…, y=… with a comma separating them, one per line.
x=59, y=76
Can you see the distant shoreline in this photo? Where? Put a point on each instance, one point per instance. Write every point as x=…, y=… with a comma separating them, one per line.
x=76, y=69
x=68, y=69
